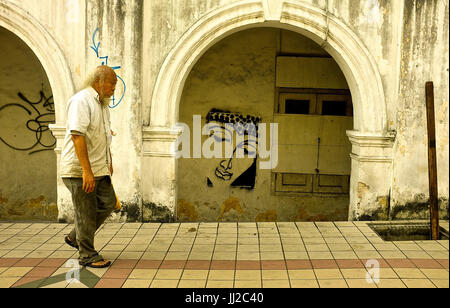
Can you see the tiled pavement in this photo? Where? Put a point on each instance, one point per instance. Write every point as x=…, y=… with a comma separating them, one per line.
x=222, y=255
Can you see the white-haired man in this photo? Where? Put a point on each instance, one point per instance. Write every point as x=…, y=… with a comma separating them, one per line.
x=86, y=163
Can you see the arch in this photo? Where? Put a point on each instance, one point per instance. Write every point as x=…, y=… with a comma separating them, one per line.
x=29, y=30
x=338, y=40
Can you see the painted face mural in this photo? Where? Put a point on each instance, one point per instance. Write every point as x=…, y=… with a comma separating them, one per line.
x=238, y=136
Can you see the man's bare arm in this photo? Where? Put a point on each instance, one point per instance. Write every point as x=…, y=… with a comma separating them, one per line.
x=82, y=154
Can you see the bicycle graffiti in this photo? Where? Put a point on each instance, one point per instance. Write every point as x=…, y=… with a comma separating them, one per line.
x=104, y=61
x=38, y=124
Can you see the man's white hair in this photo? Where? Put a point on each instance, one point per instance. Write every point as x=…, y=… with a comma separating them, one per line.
x=99, y=74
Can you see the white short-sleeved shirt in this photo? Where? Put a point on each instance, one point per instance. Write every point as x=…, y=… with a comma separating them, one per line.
x=86, y=116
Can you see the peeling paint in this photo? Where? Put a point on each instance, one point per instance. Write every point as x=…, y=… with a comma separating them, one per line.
x=363, y=189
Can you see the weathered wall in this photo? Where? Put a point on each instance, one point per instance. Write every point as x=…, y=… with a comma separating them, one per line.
x=27, y=159
x=407, y=40
x=119, y=34
x=238, y=75
x=424, y=57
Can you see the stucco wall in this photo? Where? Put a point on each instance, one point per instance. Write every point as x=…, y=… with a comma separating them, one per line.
x=424, y=57
x=27, y=159
x=407, y=40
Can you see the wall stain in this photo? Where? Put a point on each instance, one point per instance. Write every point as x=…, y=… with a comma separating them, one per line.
x=268, y=216
x=186, y=211
x=231, y=203
x=362, y=190
x=36, y=209
x=153, y=212
x=303, y=215
x=3, y=200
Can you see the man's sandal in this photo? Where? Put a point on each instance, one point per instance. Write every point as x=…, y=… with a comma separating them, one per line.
x=96, y=261
x=70, y=242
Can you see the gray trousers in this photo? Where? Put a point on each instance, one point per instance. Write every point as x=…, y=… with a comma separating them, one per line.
x=91, y=210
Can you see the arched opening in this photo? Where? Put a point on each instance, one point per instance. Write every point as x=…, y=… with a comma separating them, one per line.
x=264, y=76
x=371, y=143
x=46, y=49
x=27, y=158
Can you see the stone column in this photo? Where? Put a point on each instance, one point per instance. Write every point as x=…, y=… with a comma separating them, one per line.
x=65, y=206
x=159, y=174
x=371, y=175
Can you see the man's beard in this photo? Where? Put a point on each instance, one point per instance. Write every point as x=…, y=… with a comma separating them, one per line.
x=105, y=100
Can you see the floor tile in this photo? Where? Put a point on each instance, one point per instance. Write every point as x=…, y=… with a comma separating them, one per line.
x=247, y=284
x=15, y=272
x=192, y=283
x=148, y=264
x=220, y=284
x=248, y=275
x=392, y=254
x=124, y=263
x=301, y=274
x=28, y=262
x=390, y=283
x=301, y=283
x=195, y=274
x=407, y=273
x=198, y=264
x=440, y=283
x=273, y=265
x=172, y=264
x=427, y=263
x=164, y=283
x=247, y=265
x=401, y=263
x=282, y=283
x=274, y=275
x=221, y=275
x=41, y=272
x=164, y=274
x=117, y=273
x=354, y=273
x=321, y=255
x=25, y=282
x=330, y=264
x=52, y=262
x=435, y=273
x=351, y=263
x=332, y=283
x=387, y=273
x=418, y=283
x=361, y=283
x=137, y=283
x=147, y=274
x=298, y=264
x=328, y=273
x=295, y=255
x=223, y=264
x=110, y=283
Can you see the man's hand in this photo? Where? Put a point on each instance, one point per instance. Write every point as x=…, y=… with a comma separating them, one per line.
x=82, y=154
x=88, y=182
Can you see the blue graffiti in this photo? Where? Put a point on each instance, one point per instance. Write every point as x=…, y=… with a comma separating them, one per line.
x=104, y=59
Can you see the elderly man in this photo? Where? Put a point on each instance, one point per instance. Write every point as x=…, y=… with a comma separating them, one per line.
x=86, y=164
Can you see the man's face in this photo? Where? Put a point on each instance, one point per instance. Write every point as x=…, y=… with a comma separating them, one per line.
x=108, y=87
